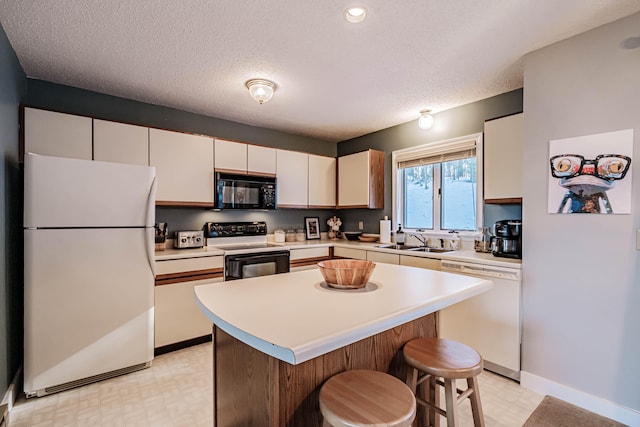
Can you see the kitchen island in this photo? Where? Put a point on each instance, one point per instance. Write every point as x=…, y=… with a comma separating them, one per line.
x=278, y=338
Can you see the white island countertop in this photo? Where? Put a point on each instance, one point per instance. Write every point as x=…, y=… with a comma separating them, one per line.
x=295, y=317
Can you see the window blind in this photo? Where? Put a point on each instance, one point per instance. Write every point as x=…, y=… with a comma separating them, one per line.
x=437, y=153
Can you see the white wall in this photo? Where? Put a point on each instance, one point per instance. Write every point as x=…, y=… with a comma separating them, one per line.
x=581, y=286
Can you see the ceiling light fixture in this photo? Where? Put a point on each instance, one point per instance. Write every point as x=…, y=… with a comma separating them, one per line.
x=260, y=89
x=355, y=14
x=426, y=120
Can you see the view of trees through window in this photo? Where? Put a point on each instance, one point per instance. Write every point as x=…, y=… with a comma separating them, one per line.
x=456, y=179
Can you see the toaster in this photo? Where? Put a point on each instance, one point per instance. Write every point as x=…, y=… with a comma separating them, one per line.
x=189, y=239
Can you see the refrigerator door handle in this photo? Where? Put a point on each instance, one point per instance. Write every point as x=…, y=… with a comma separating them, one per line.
x=149, y=234
x=151, y=204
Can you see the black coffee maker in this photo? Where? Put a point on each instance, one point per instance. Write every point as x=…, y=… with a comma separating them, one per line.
x=507, y=241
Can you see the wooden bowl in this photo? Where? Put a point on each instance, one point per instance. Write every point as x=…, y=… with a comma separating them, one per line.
x=369, y=237
x=346, y=273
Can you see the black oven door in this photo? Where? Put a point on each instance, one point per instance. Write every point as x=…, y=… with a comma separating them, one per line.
x=242, y=266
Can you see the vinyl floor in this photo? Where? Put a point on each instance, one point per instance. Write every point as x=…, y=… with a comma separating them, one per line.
x=177, y=391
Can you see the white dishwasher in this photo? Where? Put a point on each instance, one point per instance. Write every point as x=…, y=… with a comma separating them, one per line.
x=489, y=322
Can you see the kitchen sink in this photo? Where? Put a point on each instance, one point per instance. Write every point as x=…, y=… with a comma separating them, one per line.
x=414, y=248
x=433, y=250
x=396, y=247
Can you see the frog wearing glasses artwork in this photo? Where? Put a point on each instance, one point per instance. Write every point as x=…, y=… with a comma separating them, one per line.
x=588, y=180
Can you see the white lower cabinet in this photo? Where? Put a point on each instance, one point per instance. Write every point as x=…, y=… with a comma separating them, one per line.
x=177, y=316
x=414, y=261
x=383, y=257
x=307, y=258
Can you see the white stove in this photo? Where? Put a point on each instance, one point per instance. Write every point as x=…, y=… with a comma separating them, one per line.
x=246, y=250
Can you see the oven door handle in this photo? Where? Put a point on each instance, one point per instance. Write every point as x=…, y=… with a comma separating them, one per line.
x=252, y=258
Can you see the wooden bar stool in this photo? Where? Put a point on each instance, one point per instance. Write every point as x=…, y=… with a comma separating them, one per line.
x=433, y=359
x=366, y=398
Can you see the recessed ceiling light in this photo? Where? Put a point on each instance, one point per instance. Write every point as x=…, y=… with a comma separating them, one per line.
x=355, y=14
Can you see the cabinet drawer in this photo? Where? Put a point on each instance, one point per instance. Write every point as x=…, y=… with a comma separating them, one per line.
x=414, y=261
x=350, y=253
x=297, y=254
x=173, y=266
x=382, y=257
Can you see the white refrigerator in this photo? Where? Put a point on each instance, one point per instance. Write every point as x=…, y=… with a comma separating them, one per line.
x=88, y=271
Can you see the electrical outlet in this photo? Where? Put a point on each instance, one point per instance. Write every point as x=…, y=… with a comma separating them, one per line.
x=361, y=226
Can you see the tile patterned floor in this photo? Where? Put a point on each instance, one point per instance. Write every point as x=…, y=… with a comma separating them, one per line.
x=177, y=391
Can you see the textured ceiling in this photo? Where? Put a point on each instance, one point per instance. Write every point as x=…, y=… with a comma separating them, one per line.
x=334, y=80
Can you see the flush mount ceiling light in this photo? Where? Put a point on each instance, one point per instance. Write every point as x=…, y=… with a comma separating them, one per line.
x=426, y=120
x=355, y=14
x=260, y=89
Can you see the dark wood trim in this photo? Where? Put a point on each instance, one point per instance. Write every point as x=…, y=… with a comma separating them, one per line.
x=292, y=206
x=320, y=207
x=252, y=388
x=186, y=276
x=230, y=171
x=505, y=201
x=185, y=204
x=353, y=207
x=308, y=261
x=376, y=179
x=182, y=344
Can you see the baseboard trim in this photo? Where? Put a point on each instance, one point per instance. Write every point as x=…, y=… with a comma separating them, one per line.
x=10, y=397
x=579, y=398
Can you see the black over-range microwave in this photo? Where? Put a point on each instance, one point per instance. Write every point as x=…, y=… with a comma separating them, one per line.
x=245, y=191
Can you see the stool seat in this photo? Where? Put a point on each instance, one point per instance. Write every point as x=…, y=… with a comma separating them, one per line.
x=366, y=398
x=437, y=361
x=443, y=358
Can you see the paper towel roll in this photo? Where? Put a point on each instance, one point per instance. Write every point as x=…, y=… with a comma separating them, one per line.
x=385, y=231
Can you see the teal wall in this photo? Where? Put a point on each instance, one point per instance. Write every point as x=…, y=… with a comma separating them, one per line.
x=12, y=92
x=460, y=121
x=72, y=100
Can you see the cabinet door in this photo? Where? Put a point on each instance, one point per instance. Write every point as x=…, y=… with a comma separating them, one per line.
x=261, y=160
x=177, y=316
x=322, y=182
x=361, y=180
x=57, y=134
x=420, y=262
x=120, y=143
x=292, y=173
x=503, y=139
x=184, y=168
x=231, y=156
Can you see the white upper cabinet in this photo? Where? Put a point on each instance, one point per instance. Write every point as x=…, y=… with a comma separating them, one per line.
x=120, y=143
x=231, y=156
x=292, y=174
x=503, y=139
x=361, y=180
x=184, y=168
x=261, y=160
x=322, y=181
x=57, y=134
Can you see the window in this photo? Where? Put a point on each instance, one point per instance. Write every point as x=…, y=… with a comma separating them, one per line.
x=438, y=186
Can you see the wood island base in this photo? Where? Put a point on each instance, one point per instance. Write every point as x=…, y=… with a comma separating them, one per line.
x=252, y=388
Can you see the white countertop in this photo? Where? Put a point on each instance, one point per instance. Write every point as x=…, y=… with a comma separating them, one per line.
x=295, y=318
x=461, y=255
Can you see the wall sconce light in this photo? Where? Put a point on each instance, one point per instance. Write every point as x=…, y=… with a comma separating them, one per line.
x=261, y=90
x=426, y=120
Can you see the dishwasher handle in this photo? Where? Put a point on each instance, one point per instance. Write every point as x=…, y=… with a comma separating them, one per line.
x=480, y=270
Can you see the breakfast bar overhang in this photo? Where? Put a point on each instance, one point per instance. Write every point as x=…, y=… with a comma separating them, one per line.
x=277, y=338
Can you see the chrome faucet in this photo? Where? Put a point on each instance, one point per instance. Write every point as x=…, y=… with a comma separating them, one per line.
x=421, y=239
